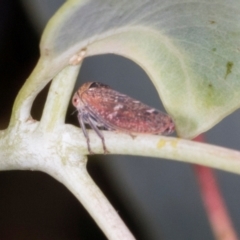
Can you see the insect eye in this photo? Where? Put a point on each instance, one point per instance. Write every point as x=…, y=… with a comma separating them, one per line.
x=94, y=85
x=97, y=84
x=75, y=100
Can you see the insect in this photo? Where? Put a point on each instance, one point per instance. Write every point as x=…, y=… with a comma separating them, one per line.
x=101, y=107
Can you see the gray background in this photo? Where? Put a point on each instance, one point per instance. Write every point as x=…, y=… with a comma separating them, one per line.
x=160, y=197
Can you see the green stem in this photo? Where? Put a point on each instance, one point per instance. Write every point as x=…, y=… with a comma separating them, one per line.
x=78, y=181
x=58, y=97
x=33, y=85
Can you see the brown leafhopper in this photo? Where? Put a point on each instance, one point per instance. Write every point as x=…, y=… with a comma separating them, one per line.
x=101, y=107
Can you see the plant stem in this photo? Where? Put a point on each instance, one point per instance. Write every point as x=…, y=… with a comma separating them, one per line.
x=213, y=200
x=214, y=203
x=58, y=97
x=78, y=181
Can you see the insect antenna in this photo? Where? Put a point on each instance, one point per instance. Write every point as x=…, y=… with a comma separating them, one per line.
x=74, y=111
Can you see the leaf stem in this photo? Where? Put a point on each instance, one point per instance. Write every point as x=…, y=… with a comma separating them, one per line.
x=41, y=75
x=58, y=97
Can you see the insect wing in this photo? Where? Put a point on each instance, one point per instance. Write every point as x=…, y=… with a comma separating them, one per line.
x=119, y=112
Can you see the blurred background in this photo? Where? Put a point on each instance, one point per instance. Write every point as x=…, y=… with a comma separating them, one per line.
x=157, y=198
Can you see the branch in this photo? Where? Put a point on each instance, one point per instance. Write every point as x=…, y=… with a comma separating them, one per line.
x=77, y=180
x=61, y=153
x=169, y=148
x=120, y=143
x=54, y=153
x=60, y=149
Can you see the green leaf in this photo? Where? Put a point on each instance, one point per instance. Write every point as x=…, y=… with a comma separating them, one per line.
x=189, y=49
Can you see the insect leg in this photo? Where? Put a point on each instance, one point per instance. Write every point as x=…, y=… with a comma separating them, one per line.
x=95, y=128
x=82, y=119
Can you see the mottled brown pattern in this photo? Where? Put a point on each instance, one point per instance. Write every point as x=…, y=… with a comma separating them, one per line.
x=100, y=106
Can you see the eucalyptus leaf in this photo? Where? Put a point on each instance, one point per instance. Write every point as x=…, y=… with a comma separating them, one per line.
x=189, y=49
